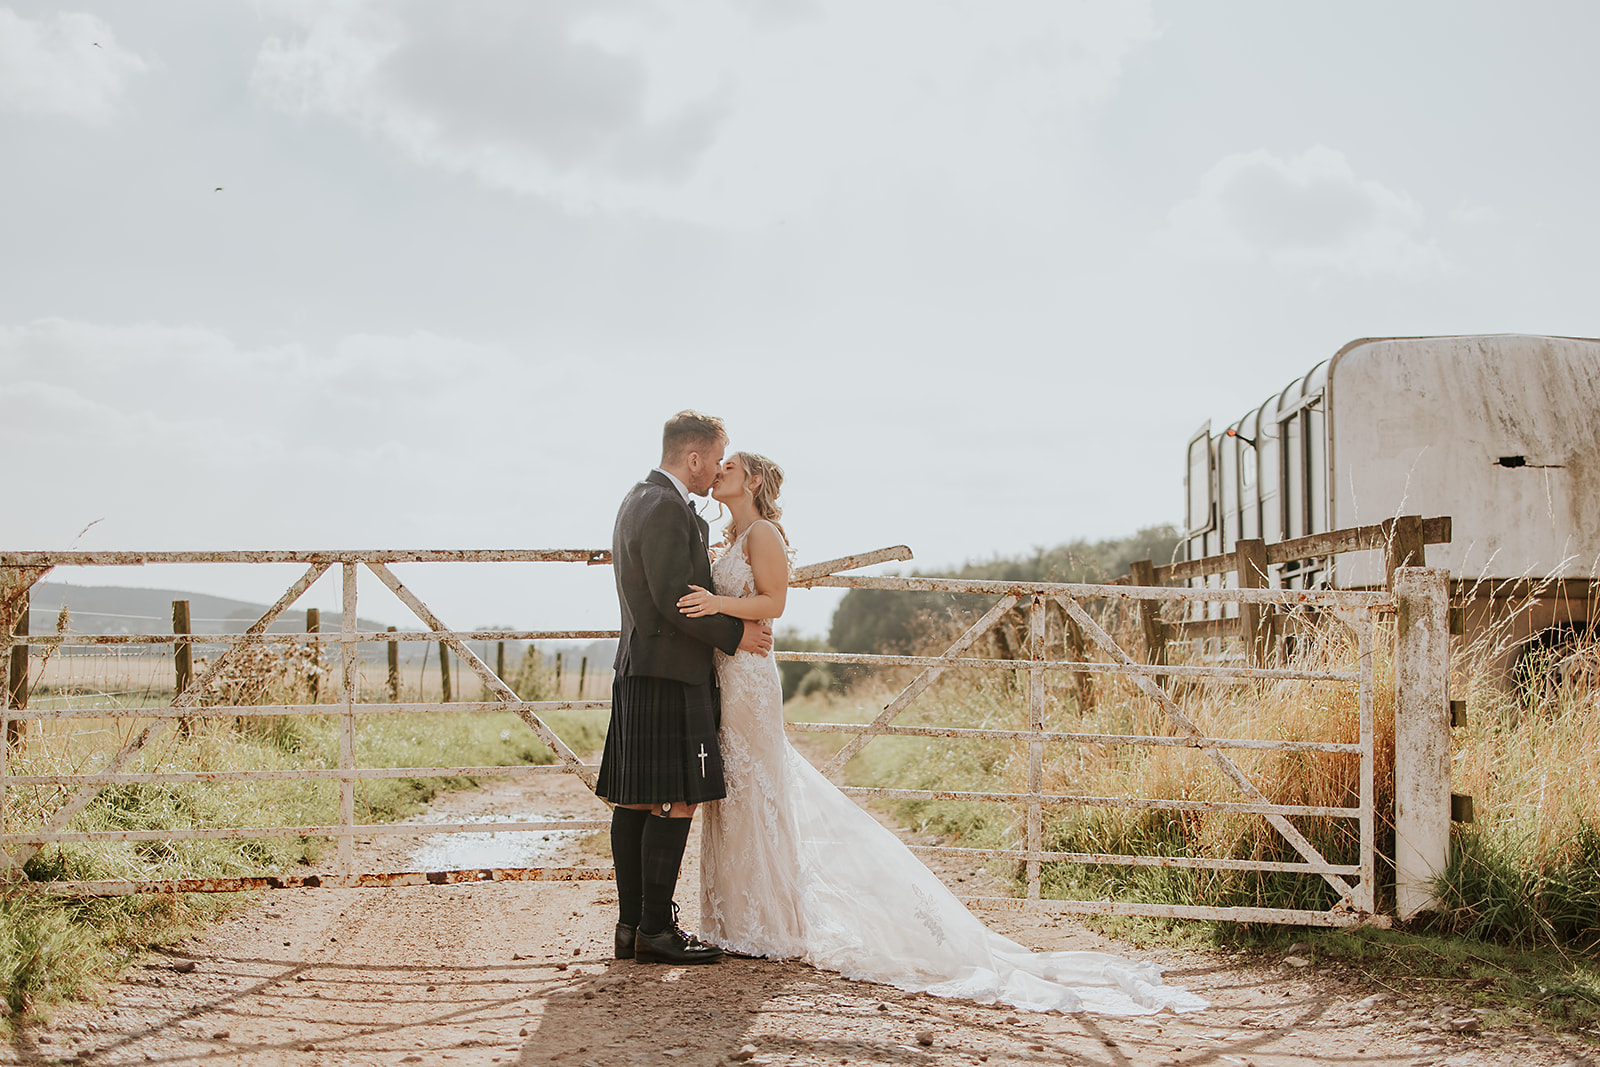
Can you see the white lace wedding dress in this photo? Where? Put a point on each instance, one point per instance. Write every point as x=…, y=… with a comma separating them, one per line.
x=791, y=867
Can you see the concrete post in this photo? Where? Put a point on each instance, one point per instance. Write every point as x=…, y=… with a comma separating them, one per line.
x=1421, y=735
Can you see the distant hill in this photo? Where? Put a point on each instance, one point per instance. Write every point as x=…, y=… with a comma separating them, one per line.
x=110, y=609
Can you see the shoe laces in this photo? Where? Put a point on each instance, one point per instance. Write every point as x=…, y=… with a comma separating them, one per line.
x=686, y=935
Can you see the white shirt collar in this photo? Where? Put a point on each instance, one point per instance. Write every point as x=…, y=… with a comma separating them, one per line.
x=683, y=490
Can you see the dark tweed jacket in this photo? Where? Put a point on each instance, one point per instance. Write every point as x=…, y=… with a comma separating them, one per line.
x=658, y=549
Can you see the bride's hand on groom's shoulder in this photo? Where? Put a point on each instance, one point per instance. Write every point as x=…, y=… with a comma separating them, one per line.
x=698, y=603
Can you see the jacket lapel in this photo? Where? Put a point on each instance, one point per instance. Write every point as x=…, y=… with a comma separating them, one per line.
x=702, y=528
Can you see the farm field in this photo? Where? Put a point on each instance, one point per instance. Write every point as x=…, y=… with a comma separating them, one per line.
x=135, y=680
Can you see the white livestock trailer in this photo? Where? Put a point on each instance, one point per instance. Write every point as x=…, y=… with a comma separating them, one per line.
x=1499, y=432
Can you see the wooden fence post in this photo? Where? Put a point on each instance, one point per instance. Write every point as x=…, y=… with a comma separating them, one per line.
x=1143, y=572
x=1072, y=635
x=314, y=626
x=1421, y=735
x=394, y=669
x=558, y=676
x=444, y=671
x=182, y=659
x=1405, y=546
x=1255, y=620
x=583, y=671
x=500, y=660
x=17, y=676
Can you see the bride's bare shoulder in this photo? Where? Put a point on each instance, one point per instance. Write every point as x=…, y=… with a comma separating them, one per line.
x=765, y=530
x=764, y=539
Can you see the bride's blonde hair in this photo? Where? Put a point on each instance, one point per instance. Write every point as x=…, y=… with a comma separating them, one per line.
x=769, y=478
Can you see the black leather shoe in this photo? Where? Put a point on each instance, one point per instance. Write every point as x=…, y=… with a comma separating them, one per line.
x=673, y=946
x=624, y=941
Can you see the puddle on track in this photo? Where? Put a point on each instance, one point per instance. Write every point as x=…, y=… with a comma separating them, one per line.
x=514, y=848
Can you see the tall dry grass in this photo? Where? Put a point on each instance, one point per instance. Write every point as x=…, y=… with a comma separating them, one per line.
x=1270, y=710
x=1526, y=871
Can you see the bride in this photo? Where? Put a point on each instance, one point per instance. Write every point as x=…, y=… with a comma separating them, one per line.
x=791, y=867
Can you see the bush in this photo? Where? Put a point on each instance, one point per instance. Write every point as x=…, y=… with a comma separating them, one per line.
x=792, y=673
x=886, y=621
x=817, y=680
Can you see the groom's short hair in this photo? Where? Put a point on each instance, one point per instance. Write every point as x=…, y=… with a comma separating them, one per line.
x=690, y=431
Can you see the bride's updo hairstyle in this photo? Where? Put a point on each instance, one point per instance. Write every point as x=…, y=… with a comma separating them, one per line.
x=769, y=478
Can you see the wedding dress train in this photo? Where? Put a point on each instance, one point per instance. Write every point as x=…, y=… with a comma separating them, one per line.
x=791, y=867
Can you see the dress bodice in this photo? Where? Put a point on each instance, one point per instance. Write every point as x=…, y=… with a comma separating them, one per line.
x=731, y=571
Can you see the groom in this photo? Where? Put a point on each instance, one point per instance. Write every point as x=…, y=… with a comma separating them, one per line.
x=661, y=756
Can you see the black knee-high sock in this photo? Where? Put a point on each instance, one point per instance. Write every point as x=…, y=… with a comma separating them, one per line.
x=627, y=833
x=664, y=842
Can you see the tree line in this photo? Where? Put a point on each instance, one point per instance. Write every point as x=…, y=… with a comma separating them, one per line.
x=883, y=621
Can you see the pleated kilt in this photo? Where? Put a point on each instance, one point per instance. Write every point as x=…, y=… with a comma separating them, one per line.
x=662, y=744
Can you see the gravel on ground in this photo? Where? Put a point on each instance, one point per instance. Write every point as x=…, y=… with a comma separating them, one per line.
x=521, y=973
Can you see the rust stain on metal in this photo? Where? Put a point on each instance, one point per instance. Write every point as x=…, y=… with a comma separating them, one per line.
x=230, y=711
x=308, y=774
x=209, y=833
x=318, y=557
x=1286, y=597
x=1087, y=666
x=1123, y=859
x=1281, y=916
x=378, y=880
x=1083, y=739
x=1141, y=803
x=803, y=577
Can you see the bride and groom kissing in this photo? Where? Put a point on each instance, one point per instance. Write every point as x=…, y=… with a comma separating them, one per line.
x=791, y=868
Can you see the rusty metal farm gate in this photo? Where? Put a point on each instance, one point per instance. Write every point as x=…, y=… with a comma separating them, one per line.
x=1419, y=655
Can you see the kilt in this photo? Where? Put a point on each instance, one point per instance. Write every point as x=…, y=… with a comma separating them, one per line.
x=662, y=743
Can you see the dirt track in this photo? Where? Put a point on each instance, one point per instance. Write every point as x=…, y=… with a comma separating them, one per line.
x=521, y=973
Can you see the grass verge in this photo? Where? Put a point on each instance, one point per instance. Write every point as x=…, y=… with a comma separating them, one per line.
x=52, y=949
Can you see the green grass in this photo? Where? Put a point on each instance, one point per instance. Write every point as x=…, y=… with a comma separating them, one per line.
x=55, y=948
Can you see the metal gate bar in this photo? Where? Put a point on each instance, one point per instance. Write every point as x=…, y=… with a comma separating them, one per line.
x=1355, y=609
x=19, y=570
x=1356, y=903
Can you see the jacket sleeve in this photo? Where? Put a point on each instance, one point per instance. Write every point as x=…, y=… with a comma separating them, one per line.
x=664, y=552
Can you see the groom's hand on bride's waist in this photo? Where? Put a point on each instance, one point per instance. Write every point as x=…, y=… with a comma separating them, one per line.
x=757, y=638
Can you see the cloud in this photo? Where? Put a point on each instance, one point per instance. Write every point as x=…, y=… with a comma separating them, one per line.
x=184, y=437
x=1471, y=213
x=1306, y=212
x=713, y=111
x=200, y=380
x=518, y=94
x=67, y=64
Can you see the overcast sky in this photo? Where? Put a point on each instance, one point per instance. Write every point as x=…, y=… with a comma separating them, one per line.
x=336, y=273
